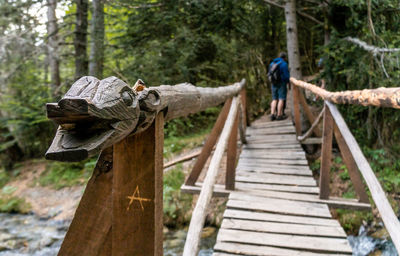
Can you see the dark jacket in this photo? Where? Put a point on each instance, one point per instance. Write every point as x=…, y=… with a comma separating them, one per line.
x=283, y=66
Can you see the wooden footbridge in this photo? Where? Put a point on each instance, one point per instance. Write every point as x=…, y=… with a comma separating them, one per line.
x=274, y=207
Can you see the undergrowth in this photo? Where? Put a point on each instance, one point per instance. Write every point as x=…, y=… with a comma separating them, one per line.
x=12, y=204
x=177, y=205
x=59, y=174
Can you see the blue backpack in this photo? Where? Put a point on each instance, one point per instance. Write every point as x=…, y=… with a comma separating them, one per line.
x=274, y=74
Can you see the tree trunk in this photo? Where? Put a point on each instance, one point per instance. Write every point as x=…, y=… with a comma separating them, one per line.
x=292, y=39
x=52, y=31
x=80, y=40
x=97, y=44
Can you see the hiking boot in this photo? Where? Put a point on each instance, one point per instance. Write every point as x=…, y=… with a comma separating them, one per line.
x=272, y=117
x=282, y=117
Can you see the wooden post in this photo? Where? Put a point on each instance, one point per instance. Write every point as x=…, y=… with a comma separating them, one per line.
x=351, y=167
x=137, y=221
x=326, y=155
x=296, y=109
x=231, y=156
x=89, y=232
x=208, y=146
x=243, y=98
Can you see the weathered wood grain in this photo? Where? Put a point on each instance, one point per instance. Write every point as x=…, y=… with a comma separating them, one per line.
x=231, y=157
x=97, y=114
x=277, y=187
x=283, y=228
x=279, y=218
x=326, y=155
x=317, y=244
x=381, y=97
x=198, y=215
x=91, y=225
x=262, y=250
x=137, y=193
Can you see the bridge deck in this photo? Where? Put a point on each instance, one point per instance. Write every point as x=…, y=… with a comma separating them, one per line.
x=275, y=209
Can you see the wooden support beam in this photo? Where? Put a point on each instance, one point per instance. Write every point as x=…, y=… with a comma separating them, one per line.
x=351, y=167
x=389, y=218
x=208, y=146
x=326, y=155
x=231, y=156
x=296, y=110
x=199, y=212
x=313, y=126
x=137, y=221
x=243, y=98
x=312, y=141
x=89, y=232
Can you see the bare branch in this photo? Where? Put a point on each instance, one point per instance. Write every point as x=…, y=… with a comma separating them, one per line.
x=305, y=15
x=370, y=48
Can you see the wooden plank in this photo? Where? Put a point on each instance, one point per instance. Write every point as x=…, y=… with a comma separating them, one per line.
x=92, y=221
x=251, y=137
x=278, y=166
x=271, y=131
x=199, y=212
x=289, y=155
x=218, y=190
x=296, y=110
x=261, y=250
x=271, y=146
x=279, y=206
x=312, y=141
x=137, y=193
x=288, y=188
x=333, y=202
x=389, y=218
x=209, y=144
x=326, y=155
x=317, y=244
x=271, y=124
x=276, y=171
x=283, y=228
x=266, y=161
x=279, y=218
x=348, y=159
x=231, y=156
x=266, y=178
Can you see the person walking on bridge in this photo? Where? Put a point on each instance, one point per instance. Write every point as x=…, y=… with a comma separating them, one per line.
x=278, y=75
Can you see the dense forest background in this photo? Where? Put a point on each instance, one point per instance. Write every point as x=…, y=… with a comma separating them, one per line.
x=45, y=45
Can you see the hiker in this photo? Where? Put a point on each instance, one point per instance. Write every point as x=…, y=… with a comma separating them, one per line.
x=278, y=74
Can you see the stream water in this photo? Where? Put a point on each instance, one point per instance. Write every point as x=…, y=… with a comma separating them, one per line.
x=22, y=235
x=29, y=235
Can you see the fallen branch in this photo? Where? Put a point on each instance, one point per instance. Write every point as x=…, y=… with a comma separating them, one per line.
x=380, y=97
x=316, y=122
x=182, y=159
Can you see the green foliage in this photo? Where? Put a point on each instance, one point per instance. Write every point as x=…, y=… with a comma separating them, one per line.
x=12, y=204
x=351, y=220
x=4, y=177
x=60, y=174
x=176, y=204
x=173, y=145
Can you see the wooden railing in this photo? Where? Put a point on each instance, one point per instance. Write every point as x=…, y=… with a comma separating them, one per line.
x=231, y=118
x=121, y=210
x=334, y=124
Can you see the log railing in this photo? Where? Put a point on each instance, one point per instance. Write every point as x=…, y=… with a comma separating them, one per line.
x=334, y=124
x=121, y=210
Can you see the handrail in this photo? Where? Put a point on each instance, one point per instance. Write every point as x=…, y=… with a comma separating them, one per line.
x=198, y=215
x=121, y=209
x=389, y=218
x=383, y=97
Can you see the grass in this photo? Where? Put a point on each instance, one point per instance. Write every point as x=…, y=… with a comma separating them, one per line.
x=12, y=204
x=59, y=174
x=174, y=145
x=177, y=205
